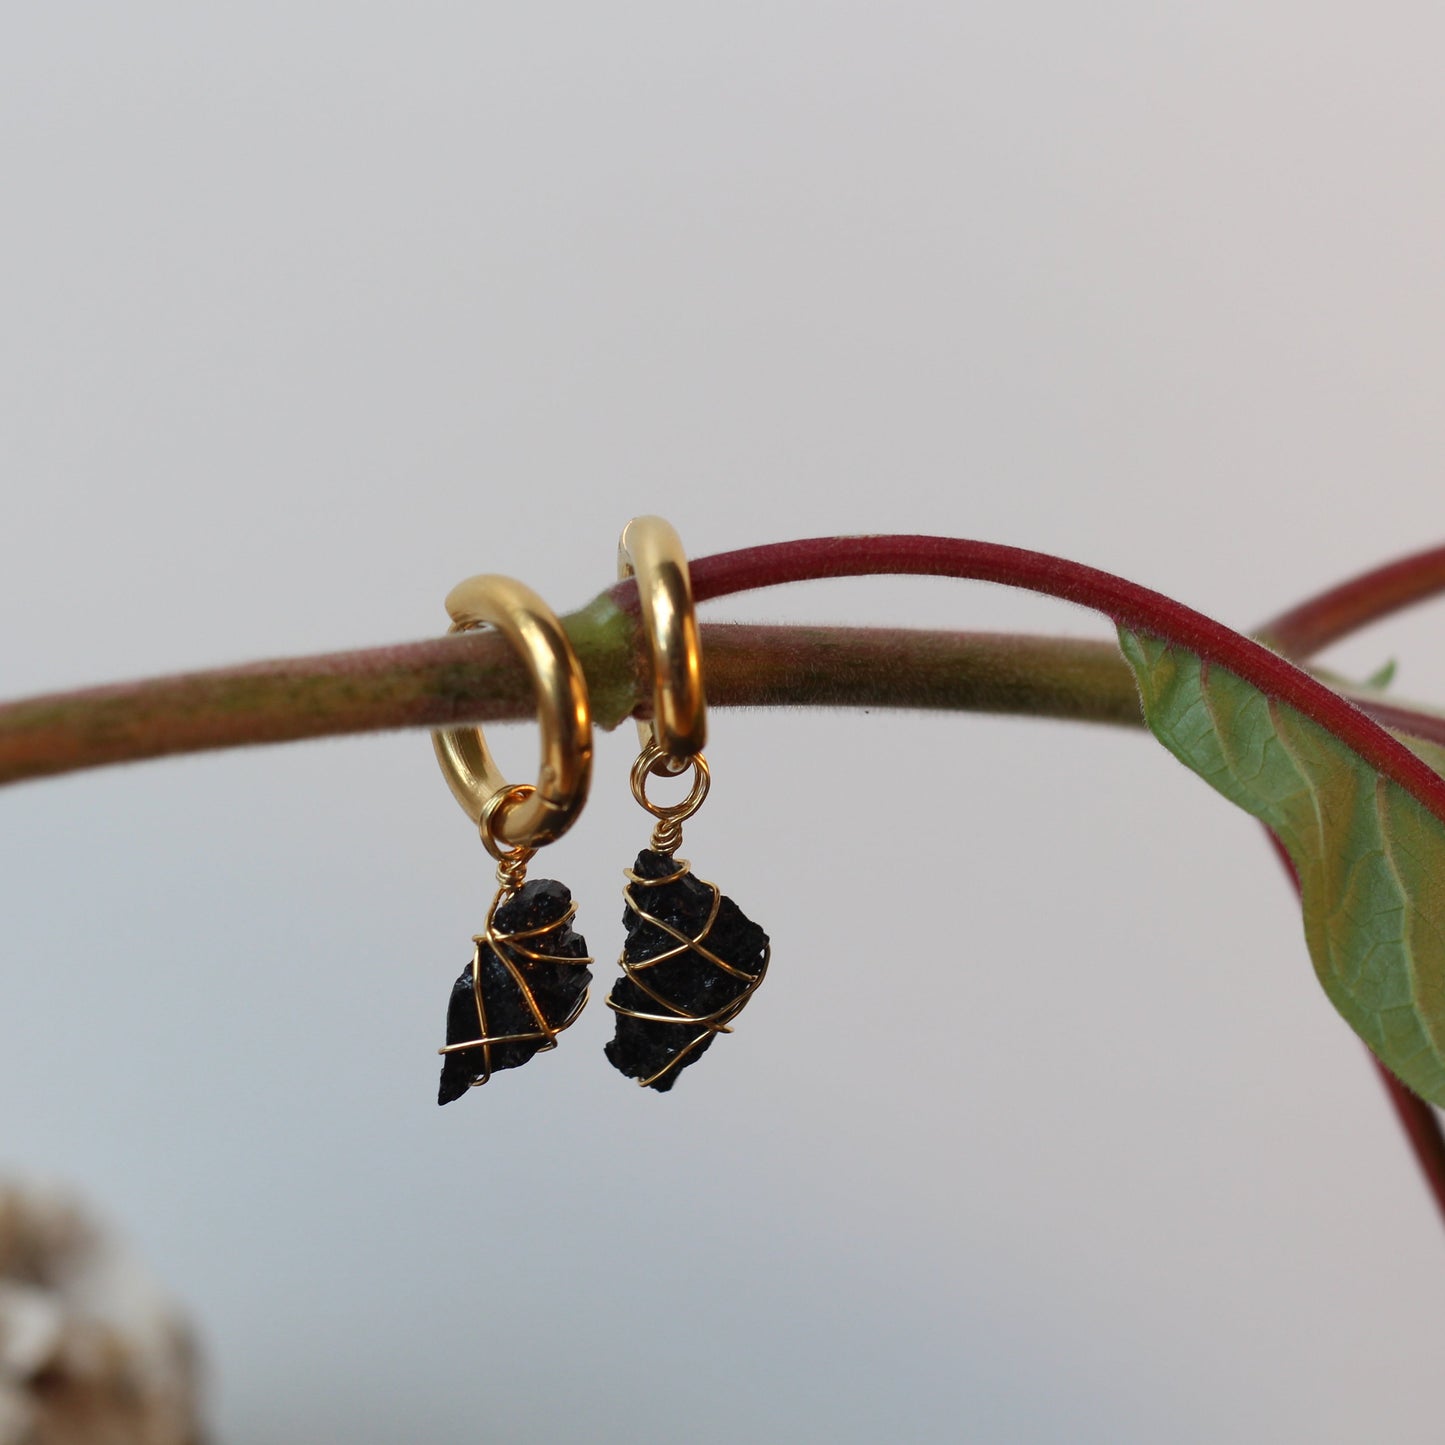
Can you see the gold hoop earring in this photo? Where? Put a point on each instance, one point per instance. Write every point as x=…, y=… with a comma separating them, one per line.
x=692, y=957
x=528, y=977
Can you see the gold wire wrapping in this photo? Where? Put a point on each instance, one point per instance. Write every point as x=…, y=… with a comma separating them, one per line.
x=515, y=955
x=666, y=838
x=707, y=1024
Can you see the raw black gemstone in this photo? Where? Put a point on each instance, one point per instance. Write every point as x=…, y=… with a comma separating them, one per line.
x=558, y=987
x=687, y=986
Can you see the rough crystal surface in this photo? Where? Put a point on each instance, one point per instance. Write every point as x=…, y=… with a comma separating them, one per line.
x=690, y=983
x=557, y=986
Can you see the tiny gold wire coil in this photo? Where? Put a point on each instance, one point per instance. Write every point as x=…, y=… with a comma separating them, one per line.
x=716, y=1022
x=515, y=954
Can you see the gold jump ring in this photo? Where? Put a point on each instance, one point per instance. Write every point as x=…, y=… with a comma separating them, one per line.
x=651, y=764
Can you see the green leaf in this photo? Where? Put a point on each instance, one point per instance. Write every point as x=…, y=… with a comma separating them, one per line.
x=1377, y=681
x=1370, y=858
x=1383, y=676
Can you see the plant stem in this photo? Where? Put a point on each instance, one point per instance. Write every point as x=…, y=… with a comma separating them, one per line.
x=751, y=665
x=474, y=677
x=1422, y=1129
x=1331, y=615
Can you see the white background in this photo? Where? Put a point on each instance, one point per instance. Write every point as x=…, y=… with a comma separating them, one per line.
x=1041, y=1129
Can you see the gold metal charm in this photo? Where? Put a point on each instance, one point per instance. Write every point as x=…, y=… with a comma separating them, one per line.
x=692, y=957
x=528, y=977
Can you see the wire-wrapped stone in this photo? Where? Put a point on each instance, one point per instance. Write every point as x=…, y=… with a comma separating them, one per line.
x=691, y=961
x=527, y=981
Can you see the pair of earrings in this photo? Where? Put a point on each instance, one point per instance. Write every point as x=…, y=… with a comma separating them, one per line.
x=692, y=958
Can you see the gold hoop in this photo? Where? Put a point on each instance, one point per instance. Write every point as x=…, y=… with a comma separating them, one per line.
x=652, y=550
x=521, y=816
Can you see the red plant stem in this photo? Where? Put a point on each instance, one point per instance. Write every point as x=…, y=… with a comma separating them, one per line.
x=1422, y=1129
x=1128, y=604
x=1428, y=726
x=1320, y=620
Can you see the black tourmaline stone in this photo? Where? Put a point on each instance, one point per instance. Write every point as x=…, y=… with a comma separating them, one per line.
x=558, y=987
x=692, y=985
